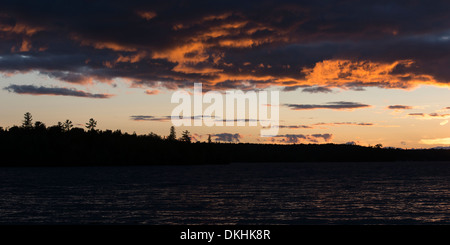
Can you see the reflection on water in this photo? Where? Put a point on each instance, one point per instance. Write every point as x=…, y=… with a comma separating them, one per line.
x=284, y=193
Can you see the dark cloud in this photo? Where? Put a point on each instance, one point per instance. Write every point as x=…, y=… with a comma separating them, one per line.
x=227, y=137
x=291, y=88
x=298, y=138
x=198, y=117
x=292, y=138
x=326, y=137
x=312, y=126
x=340, y=105
x=417, y=114
x=399, y=107
x=34, y=90
x=230, y=44
x=150, y=118
x=433, y=115
x=317, y=90
x=294, y=126
x=438, y=115
x=344, y=123
x=364, y=124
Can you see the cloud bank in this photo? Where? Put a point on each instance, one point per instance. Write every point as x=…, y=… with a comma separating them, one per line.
x=34, y=90
x=399, y=107
x=227, y=137
x=238, y=44
x=339, y=105
x=302, y=138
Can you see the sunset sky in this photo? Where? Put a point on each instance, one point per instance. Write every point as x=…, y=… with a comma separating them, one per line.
x=365, y=72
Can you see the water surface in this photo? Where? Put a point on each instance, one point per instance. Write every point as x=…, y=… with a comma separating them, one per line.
x=264, y=193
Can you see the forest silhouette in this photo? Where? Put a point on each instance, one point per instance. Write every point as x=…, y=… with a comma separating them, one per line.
x=35, y=144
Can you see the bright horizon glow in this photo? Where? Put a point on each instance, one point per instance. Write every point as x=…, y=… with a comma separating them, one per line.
x=441, y=141
x=364, y=126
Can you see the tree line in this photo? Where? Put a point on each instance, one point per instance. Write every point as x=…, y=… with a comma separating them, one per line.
x=63, y=144
x=67, y=126
x=33, y=143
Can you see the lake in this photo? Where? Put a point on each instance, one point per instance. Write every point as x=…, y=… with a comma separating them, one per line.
x=239, y=193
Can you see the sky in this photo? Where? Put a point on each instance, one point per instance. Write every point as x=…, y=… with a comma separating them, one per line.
x=347, y=72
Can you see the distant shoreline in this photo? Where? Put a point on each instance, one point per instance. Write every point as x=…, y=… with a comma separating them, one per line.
x=62, y=145
x=179, y=153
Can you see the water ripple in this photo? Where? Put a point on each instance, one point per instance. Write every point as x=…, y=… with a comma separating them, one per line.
x=296, y=193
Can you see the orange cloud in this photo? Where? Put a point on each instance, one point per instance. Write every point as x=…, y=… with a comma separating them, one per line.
x=26, y=46
x=207, y=18
x=193, y=52
x=200, y=55
x=217, y=17
x=108, y=45
x=198, y=48
x=148, y=15
x=152, y=92
x=241, y=43
x=331, y=73
x=20, y=28
x=102, y=44
x=132, y=58
x=203, y=54
x=347, y=72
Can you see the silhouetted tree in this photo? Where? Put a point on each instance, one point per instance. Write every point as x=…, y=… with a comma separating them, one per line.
x=108, y=132
x=55, y=129
x=186, y=137
x=91, y=124
x=27, y=120
x=209, y=139
x=378, y=146
x=40, y=126
x=173, y=135
x=67, y=125
x=154, y=136
x=77, y=131
x=14, y=130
